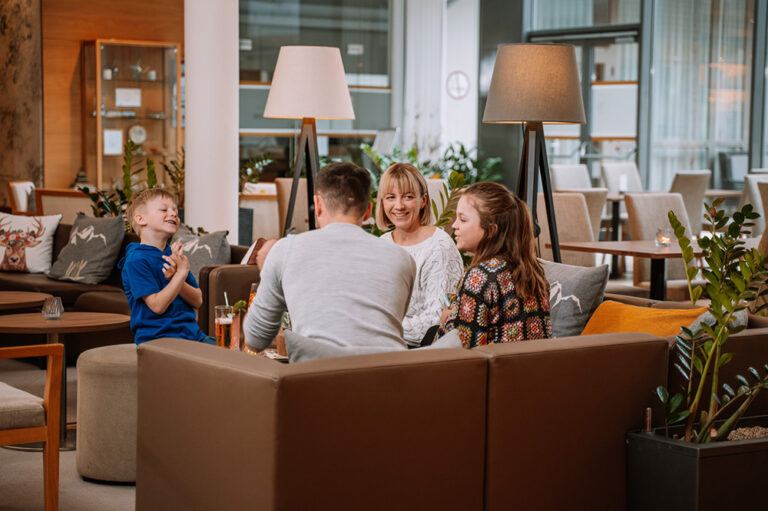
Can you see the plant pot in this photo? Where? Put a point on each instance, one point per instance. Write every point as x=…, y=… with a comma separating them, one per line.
x=670, y=474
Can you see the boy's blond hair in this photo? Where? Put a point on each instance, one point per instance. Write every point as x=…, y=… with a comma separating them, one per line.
x=140, y=199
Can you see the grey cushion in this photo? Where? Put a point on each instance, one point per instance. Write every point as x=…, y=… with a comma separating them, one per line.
x=19, y=409
x=90, y=255
x=575, y=292
x=206, y=250
x=740, y=320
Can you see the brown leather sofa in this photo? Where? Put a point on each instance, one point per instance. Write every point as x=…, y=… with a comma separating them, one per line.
x=534, y=425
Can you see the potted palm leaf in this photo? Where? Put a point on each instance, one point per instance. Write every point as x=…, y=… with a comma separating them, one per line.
x=693, y=465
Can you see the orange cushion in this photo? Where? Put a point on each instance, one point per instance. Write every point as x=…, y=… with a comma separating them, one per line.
x=614, y=317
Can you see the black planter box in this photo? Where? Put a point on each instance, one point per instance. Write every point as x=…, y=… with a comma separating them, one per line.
x=669, y=474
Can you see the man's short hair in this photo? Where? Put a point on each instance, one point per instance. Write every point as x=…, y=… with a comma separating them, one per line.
x=344, y=187
x=140, y=199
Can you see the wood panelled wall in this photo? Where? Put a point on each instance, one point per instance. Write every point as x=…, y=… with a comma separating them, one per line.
x=65, y=24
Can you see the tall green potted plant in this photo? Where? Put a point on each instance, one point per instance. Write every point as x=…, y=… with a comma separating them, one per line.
x=697, y=467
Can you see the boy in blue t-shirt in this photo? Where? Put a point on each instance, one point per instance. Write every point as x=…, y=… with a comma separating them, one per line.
x=161, y=291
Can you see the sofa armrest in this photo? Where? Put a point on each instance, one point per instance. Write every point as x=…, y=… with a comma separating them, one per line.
x=235, y=279
x=221, y=429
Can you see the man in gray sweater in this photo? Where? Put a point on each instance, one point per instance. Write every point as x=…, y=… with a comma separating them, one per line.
x=346, y=290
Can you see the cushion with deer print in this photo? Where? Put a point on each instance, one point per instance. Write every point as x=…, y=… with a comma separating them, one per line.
x=210, y=249
x=90, y=255
x=574, y=294
x=26, y=242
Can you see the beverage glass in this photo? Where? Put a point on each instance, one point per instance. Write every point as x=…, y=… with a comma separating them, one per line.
x=252, y=294
x=224, y=318
x=52, y=308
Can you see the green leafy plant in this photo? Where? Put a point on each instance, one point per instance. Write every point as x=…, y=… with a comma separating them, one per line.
x=250, y=172
x=175, y=170
x=734, y=276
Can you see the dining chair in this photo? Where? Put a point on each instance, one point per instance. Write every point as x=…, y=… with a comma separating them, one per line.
x=68, y=203
x=751, y=195
x=595, y=198
x=300, y=221
x=437, y=194
x=22, y=196
x=621, y=176
x=692, y=185
x=762, y=187
x=26, y=418
x=647, y=213
x=573, y=224
x=566, y=176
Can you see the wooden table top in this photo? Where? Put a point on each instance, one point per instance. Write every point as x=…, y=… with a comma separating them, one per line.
x=637, y=248
x=70, y=322
x=21, y=299
x=715, y=192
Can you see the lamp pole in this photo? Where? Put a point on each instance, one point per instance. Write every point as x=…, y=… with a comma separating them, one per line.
x=306, y=154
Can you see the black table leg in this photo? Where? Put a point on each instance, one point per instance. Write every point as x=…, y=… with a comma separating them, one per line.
x=615, y=237
x=658, y=279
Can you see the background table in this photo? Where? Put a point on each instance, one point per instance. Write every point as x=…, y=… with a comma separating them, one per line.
x=21, y=299
x=647, y=249
x=70, y=322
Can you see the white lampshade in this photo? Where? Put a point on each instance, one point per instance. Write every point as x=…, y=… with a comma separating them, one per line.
x=309, y=81
x=535, y=83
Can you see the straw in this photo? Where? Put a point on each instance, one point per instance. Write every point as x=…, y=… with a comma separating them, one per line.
x=226, y=300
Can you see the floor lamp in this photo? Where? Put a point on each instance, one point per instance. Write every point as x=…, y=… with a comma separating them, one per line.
x=535, y=84
x=309, y=83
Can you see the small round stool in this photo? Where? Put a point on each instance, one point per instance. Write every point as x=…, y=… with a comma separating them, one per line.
x=106, y=413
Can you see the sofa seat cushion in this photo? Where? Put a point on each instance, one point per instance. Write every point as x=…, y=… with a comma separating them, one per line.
x=614, y=317
x=103, y=301
x=19, y=409
x=68, y=291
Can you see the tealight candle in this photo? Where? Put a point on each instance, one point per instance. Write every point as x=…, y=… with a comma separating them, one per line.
x=663, y=237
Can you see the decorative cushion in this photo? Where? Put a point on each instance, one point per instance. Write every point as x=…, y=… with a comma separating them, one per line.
x=26, y=242
x=206, y=250
x=574, y=294
x=614, y=317
x=740, y=319
x=19, y=409
x=90, y=255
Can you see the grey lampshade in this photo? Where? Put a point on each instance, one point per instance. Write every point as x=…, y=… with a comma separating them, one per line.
x=535, y=82
x=309, y=81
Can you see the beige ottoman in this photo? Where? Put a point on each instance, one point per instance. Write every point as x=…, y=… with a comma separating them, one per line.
x=106, y=413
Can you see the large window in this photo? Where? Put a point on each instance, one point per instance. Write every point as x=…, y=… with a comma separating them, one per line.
x=360, y=28
x=554, y=14
x=702, y=58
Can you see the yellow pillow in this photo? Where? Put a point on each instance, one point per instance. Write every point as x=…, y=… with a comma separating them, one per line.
x=614, y=317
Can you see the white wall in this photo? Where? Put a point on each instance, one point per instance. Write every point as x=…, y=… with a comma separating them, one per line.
x=211, y=69
x=459, y=119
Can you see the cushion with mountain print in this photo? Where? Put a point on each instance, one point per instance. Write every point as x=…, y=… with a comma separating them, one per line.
x=90, y=255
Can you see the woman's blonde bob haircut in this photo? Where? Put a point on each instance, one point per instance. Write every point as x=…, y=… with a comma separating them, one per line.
x=406, y=178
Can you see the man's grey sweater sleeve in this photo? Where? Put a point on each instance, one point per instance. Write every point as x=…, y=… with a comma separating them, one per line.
x=266, y=311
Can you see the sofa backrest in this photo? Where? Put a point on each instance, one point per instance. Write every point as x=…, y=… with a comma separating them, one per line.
x=558, y=410
x=223, y=429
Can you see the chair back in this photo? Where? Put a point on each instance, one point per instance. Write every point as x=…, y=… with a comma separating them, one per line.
x=300, y=221
x=621, y=176
x=692, y=185
x=68, y=203
x=595, y=198
x=573, y=224
x=733, y=167
x=751, y=195
x=762, y=187
x=22, y=195
x=647, y=212
x=569, y=176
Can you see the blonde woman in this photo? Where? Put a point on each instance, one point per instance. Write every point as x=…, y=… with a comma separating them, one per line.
x=403, y=203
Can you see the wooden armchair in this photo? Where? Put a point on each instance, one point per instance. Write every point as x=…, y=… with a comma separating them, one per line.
x=24, y=419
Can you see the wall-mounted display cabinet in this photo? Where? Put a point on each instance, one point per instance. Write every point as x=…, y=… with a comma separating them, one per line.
x=130, y=92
